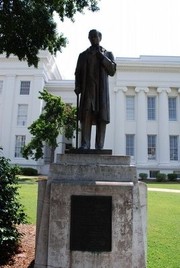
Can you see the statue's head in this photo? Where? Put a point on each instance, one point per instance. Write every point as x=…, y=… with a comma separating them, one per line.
x=94, y=37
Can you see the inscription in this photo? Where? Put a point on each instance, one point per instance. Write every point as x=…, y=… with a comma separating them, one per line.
x=91, y=223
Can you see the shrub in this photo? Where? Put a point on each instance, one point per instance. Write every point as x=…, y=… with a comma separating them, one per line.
x=172, y=177
x=11, y=211
x=143, y=176
x=27, y=171
x=160, y=177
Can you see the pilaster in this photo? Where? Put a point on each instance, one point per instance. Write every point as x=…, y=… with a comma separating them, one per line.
x=8, y=95
x=141, y=133
x=119, y=123
x=163, y=124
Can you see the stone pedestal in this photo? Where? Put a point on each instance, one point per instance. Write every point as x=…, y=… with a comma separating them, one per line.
x=83, y=193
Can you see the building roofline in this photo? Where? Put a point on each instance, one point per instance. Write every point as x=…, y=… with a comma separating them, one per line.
x=149, y=63
x=60, y=84
x=47, y=63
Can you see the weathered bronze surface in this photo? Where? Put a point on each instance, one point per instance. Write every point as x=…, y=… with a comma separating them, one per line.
x=91, y=223
x=94, y=65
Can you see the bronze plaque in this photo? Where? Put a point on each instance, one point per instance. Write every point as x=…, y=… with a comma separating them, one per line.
x=91, y=223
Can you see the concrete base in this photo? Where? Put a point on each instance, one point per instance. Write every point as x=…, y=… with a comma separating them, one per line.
x=104, y=176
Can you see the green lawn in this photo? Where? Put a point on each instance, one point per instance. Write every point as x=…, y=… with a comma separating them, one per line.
x=28, y=197
x=163, y=230
x=175, y=186
x=163, y=221
x=168, y=185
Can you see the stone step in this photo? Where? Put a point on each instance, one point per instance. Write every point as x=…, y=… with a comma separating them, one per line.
x=89, y=159
x=68, y=171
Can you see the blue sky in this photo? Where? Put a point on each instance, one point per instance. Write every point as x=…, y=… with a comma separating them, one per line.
x=129, y=28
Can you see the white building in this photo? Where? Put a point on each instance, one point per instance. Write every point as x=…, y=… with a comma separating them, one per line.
x=19, y=103
x=145, y=109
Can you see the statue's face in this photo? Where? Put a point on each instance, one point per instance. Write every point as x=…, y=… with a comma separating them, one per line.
x=94, y=38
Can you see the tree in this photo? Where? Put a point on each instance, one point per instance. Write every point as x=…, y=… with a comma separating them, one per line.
x=56, y=117
x=11, y=210
x=28, y=26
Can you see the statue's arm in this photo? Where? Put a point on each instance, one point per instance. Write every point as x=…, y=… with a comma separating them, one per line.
x=107, y=61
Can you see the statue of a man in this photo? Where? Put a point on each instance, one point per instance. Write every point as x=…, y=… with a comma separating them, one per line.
x=91, y=81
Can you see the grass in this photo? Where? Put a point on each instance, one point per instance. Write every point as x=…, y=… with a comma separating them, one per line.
x=163, y=221
x=28, y=197
x=168, y=185
x=163, y=230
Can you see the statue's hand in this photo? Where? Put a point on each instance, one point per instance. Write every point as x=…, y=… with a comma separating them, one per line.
x=100, y=55
x=77, y=91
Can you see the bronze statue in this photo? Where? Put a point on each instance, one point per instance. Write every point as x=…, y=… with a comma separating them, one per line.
x=91, y=81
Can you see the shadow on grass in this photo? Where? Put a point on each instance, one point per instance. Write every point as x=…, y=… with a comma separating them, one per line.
x=27, y=180
x=30, y=180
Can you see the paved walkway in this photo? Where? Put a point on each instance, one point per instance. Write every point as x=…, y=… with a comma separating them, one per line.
x=163, y=190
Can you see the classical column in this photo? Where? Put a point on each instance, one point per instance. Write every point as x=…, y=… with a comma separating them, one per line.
x=141, y=122
x=119, y=120
x=9, y=116
x=163, y=126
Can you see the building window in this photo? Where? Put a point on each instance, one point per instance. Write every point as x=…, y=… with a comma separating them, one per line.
x=173, y=144
x=153, y=173
x=130, y=144
x=19, y=144
x=22, y=114
x=177, y=172
x=151, y=108
x=172, y=108
x=130, y=108
x=25, y=88
x=151, y=147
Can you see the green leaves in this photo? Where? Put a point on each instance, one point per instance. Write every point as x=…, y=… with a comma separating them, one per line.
x=70, y=114
x=56, y=117
x=11, y=211
x=28, y=26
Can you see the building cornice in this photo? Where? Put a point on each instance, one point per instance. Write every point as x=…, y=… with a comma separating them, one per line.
x=165, y=64
x=47, y=66
x=60, y=84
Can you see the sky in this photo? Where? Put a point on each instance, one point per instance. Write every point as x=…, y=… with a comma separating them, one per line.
x=130, y=28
